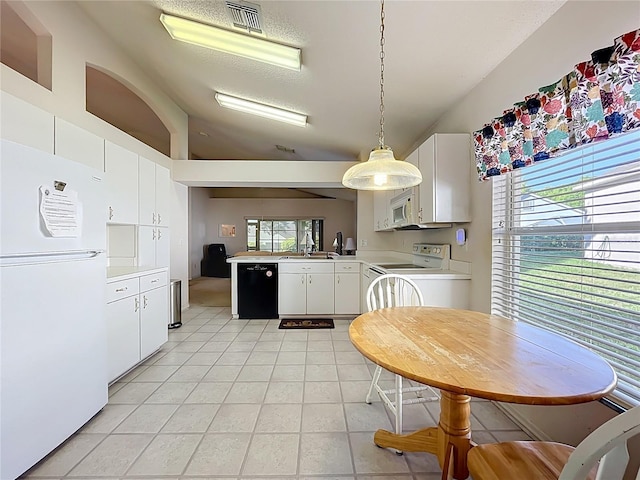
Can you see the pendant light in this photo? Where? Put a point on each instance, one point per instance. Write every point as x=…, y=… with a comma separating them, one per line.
x=382, y=171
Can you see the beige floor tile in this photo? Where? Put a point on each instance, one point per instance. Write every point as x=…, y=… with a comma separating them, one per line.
x=368, y=458
x=482, y=437
x=238, y=346
x=272, y=454
x=321, y=358
x=320, y=345
x=107, y=419
x=344, y=346
x=189, y=373
x=291, y=358
x=233, y=358
x=113, y=388
x=215, y=347
x=323, y=417
x=293, y=346
x=262, y=358
x=296, y=335
x=349, y=358
x=366, y=418
x=263, y=346
x=203, y=358
x=322, y=392
x=134, y=393
x=188, y=347
x=491, y=417
x=422, y=462
x=248, y=337
x=172, y=392
x=288, y=373
x=166, y=455
x=247, y=392
x=272, y=337
x=320, y=335
x=65, y=457
x=146, y=419
x=212, y=392
x=113, y=456
x=355, y=391
x=235, y=418
x=209, y=328
x=191, y=419
x=200, y=337
x=255, y=373
x=156, y=373
x=321, y=373
x=219, y=453
x=284, y=392
x=325, y=454
x=353, y=372
x=279, y=418
x=222, y=373
x=173, y=358
x=133, y=373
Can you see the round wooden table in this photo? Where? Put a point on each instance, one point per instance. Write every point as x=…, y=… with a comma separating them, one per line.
x=470, y=354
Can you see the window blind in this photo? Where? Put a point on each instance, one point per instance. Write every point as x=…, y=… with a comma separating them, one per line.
x=566, y=251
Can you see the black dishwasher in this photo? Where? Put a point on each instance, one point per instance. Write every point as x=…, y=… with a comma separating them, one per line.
x=257, y=290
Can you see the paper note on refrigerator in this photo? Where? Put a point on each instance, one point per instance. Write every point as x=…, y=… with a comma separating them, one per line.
x=60, y=211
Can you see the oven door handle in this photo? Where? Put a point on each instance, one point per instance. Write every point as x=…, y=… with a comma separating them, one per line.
x=376, y=270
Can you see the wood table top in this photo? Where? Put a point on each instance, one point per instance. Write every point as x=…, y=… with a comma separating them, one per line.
x=482, y=355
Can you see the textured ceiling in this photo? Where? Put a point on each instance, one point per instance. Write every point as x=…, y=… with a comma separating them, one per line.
x=436, y=52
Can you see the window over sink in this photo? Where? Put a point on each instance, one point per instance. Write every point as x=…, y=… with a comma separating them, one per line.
x=284, y=235
x=566, y=251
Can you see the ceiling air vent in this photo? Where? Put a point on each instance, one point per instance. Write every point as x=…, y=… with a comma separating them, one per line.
x=245, y=16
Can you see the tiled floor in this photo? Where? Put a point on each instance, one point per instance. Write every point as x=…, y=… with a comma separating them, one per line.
x=240, y=399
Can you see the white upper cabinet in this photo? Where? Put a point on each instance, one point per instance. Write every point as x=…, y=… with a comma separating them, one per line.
x=382, y=210
x=79, y=145
x=154, y=181
x=445, y=164
x=121, y=167
x=26, y=124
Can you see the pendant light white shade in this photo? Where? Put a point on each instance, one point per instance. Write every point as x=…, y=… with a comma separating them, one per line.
x=382, y=172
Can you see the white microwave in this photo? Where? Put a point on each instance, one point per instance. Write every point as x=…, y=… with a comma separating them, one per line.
x=403, y=209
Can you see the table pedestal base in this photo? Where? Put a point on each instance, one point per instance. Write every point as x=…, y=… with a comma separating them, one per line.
x=450, y=441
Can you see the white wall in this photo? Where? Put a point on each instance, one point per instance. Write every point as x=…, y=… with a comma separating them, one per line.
x=569, y=37
x=179, y=267
x=208, y=213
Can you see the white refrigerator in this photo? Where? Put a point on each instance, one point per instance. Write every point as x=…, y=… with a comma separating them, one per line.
x=53, y=375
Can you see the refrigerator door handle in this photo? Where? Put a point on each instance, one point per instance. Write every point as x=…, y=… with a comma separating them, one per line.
x=53, y=257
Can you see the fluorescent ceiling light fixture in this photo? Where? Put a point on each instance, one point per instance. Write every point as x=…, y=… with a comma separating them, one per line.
x=261, y=110
x=227, y=41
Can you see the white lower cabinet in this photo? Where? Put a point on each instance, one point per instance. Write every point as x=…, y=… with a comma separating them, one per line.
x=347, y=288
x=137, y=319
x=305, y=288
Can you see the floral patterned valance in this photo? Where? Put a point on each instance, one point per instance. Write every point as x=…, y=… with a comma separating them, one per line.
x=598, y=99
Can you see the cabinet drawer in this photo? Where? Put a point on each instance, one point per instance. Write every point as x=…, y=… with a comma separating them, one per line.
x=347, y=267
x=303, y=267
x=121, y=289
x=149, y=282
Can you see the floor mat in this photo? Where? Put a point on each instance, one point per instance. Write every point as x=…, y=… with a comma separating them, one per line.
x=306, y=323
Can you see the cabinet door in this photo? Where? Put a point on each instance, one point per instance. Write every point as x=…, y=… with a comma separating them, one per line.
x=154, y=320
x=123, y=336
x=25, y=123
x=163, y=248
x=347, y=293
x=380, y=211
x=163, y=186
x=292, y=294
x=77, y=144
x=147, y=191
x=320, y=293
x=121, y=166
x=147, y=246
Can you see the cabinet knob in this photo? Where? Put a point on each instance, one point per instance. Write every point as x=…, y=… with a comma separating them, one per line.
x=144, y=305
x=338, y=278
x=154, y=218
x=123, y=289
x=309, y=278
x=153, y=234
x=110, y=213
x=137, y=304
x=159, y=234
x=159, y=219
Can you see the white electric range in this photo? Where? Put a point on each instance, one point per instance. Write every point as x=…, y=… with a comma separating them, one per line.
x=430, y=269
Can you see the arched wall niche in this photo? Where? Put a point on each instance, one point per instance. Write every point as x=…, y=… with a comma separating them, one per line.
x=117, y=102
x=25, y=45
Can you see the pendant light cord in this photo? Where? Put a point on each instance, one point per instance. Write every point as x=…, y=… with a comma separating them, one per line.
x=381, y=135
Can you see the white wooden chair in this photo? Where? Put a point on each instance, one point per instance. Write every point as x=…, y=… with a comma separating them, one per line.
x=547, y=460
x=396, y=291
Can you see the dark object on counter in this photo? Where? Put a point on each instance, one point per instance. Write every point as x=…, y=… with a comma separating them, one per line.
x=214, y=263
x=175, y=299
x=258, y=290
x=306, y=323
x=339, y=241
